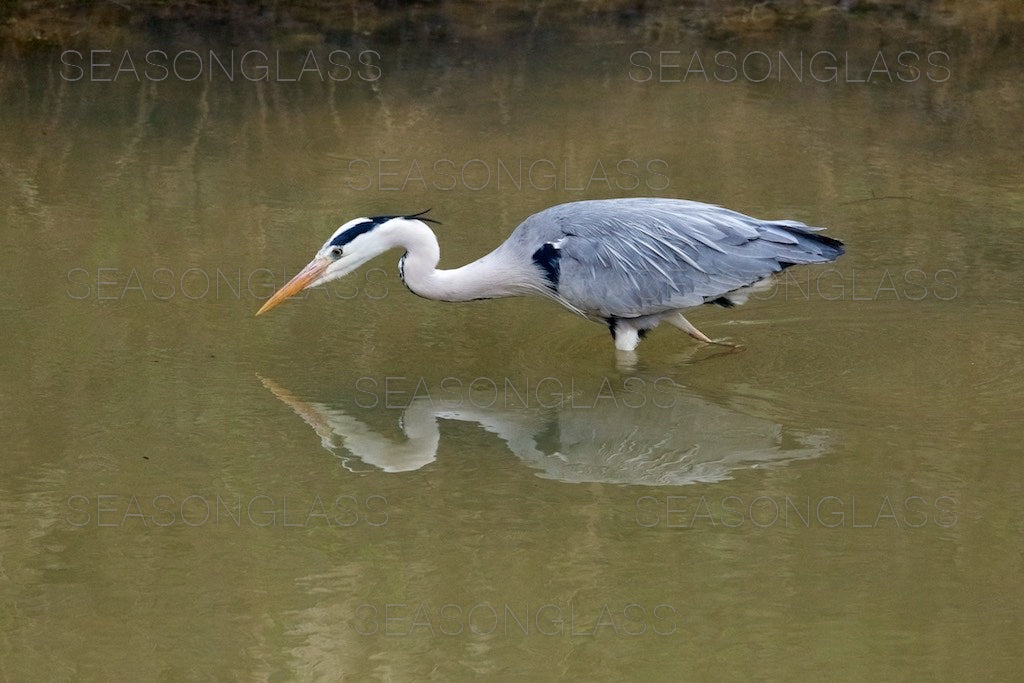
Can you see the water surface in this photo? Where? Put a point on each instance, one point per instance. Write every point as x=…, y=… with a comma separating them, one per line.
x=370, y=483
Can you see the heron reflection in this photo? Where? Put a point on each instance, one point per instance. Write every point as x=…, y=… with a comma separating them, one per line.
x=692, y=440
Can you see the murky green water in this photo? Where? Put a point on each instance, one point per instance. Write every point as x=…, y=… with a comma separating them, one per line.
x=365, y=482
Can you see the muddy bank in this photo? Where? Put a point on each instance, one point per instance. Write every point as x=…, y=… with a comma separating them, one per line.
x=27, y=26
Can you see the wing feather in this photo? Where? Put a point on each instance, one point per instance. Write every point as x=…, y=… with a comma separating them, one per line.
x=640, y=256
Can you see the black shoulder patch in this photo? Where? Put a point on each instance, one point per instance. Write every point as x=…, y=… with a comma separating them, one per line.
x=723, y=302
x=548, y=257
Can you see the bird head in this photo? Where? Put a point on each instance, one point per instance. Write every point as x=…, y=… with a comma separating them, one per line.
x=351, y=245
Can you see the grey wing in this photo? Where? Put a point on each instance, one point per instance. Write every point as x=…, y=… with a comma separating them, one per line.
x=632, y=257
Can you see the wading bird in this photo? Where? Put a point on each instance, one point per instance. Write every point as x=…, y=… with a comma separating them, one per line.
x=629, y=263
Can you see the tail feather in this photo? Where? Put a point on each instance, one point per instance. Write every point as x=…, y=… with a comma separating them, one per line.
x=815, y=247
x=790, y=243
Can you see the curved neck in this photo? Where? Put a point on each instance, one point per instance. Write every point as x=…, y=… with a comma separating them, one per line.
x=492, y=276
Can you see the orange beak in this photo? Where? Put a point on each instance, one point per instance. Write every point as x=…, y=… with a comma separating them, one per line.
x=304, y=279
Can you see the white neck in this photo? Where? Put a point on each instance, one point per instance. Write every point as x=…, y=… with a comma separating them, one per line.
x=486, y=278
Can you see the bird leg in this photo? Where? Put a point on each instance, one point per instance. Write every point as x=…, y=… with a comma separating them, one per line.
x=626, y=338
x=626, y=334
x=686, y=326
x=682, y=323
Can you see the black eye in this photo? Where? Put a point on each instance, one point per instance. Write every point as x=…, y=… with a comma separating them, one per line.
x=336, y=252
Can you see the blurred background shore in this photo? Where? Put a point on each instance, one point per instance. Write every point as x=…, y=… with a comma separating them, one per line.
x=27, y=25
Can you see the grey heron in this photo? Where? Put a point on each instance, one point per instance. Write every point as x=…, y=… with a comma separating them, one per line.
x=629, y=263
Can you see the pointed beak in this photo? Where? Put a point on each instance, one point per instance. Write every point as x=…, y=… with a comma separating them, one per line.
x=306, y=277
